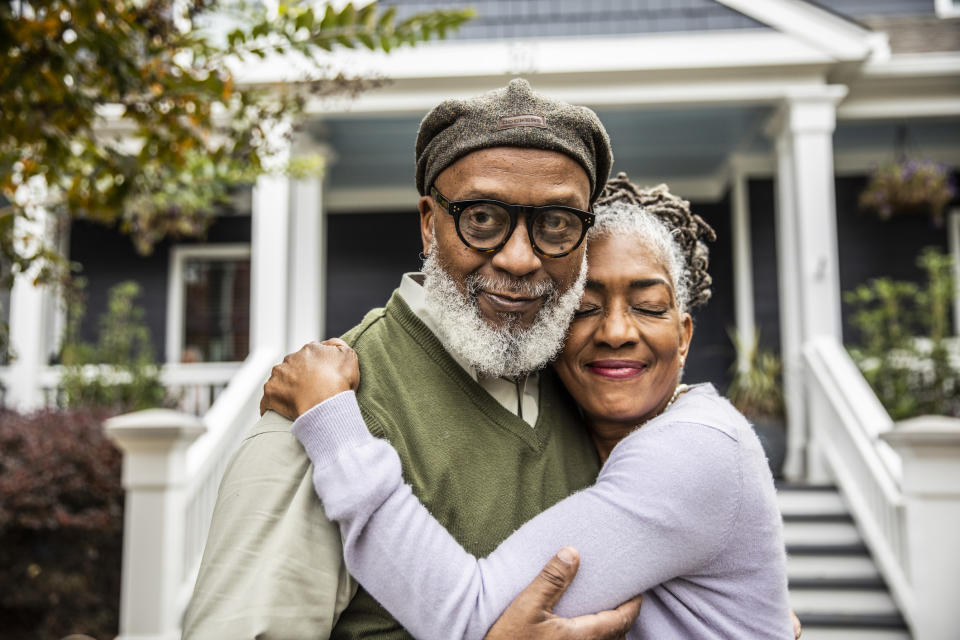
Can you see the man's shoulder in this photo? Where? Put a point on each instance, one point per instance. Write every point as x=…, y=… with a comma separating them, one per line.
x=371, y=319
x=270, y=448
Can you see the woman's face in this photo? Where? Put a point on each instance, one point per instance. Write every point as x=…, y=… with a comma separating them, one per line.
x=622, y=357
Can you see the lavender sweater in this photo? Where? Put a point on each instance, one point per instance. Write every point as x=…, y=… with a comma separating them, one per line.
x=683, y=511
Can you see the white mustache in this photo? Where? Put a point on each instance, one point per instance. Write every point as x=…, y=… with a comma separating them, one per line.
x=518, y=286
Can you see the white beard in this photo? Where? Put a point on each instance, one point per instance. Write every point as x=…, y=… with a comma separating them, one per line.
x=507, y=351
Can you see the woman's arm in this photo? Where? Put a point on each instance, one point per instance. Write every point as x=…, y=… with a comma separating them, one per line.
x=662, y=506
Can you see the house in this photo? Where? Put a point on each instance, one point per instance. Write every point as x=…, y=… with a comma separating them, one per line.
x=766, y=114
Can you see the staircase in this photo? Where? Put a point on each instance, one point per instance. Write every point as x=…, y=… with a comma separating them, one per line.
x=835, y=587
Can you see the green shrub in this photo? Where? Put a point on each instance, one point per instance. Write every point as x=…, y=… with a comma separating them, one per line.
x=904, y=328
x=133, y=381
x=61, y=525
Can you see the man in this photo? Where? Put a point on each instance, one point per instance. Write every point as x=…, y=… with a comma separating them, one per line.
x=451, y=374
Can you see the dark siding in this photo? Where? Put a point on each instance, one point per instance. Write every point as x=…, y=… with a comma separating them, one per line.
x=872, y=248
x=711, y=352
x=107, y=257
x=763, y=245
x=868, y=248
x=366, y=255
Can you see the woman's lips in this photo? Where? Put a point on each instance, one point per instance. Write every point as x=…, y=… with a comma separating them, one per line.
x=616, y=369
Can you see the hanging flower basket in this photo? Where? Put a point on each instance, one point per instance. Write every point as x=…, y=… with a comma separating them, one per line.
x=910, y=187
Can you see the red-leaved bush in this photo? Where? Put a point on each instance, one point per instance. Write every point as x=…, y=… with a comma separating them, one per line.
x=61, y=525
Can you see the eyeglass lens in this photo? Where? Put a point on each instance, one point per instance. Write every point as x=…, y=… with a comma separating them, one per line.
x=485, y=226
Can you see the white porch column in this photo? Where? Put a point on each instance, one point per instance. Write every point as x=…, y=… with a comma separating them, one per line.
x=930, y=449
x=808, y=268
x=154, y=444
x=742, y=257
x=307, y=261
x=269, y=272
x=31, y=312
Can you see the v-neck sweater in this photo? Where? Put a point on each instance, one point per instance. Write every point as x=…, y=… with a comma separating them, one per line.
x=480, y=470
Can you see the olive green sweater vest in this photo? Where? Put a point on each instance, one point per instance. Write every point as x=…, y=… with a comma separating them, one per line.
x=479, y=469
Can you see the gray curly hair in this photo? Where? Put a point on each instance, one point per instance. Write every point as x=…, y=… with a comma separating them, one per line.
x=667, y=226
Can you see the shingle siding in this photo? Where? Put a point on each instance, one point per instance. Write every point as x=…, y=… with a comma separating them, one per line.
x=865, y=8
x=498, y=19
x=549, y=18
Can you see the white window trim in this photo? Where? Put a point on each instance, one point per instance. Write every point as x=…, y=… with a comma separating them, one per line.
x=947, y=8
x=176, y=292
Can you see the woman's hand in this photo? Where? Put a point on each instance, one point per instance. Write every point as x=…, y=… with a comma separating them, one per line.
x=318, y=371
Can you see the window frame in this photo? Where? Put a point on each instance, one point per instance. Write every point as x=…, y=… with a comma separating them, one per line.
x=177, y=291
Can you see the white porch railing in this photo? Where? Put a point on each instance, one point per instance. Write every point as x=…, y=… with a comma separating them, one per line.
x=173, y=463
x=893, y=503
x=191, y=387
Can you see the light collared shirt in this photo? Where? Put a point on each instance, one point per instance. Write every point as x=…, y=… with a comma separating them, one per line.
x=519, y=397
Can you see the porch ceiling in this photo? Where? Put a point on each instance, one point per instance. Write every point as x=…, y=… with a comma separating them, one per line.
x=653, y=144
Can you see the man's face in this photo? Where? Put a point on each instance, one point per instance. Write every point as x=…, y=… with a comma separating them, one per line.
x=508, y=284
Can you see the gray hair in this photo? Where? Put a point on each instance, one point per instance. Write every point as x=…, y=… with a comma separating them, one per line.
x=688, y=231
x=627, y=219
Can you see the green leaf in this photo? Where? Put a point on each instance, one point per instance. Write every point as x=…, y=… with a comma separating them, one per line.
x=387, y=18
x=330, y=18
x=348, y=16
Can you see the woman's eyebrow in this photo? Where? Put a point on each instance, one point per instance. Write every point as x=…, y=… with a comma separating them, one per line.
x=595, y=285
x=648, y=282
x=644, y=283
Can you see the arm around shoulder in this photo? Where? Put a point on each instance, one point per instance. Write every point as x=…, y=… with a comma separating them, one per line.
x=273, y=565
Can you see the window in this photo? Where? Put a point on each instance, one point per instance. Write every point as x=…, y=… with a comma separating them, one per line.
x=208, y=309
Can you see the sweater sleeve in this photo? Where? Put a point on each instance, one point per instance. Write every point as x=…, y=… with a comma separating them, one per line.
x=663, y=505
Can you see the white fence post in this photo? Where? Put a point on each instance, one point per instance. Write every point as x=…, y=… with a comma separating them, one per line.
x=930, y=449
x=154, y=444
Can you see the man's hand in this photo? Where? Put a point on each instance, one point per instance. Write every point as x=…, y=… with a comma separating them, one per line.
x=530, y=615
x=318, y=371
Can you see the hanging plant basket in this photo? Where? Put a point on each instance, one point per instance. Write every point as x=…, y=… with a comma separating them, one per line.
x=910, y=186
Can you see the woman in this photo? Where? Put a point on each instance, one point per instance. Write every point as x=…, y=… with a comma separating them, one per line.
x=683, y=511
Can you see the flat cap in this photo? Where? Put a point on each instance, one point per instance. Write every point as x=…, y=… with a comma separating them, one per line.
x=513, y=116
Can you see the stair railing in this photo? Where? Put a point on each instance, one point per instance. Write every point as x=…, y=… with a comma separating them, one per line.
x=173, y=463
x=846, y=425
x=901, y=482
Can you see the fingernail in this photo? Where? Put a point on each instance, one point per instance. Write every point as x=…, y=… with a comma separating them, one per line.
x=567, y=555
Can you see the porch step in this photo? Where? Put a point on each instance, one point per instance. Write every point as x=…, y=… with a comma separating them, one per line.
x=835, y=587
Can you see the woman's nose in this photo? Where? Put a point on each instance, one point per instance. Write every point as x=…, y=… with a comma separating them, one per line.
x=617, y=329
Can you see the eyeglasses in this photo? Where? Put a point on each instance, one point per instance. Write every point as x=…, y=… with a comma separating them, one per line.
x=486, y=225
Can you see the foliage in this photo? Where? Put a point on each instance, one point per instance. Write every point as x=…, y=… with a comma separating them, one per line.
x=129, y=112
x=904, y=329
x=910, y=186
x=133, y=380
x=756, y=389
x=61, y=525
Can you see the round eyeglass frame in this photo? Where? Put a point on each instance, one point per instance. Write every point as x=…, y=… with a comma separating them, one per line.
x=456, y=207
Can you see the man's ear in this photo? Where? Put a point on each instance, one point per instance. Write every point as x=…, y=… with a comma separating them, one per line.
x=425, y=205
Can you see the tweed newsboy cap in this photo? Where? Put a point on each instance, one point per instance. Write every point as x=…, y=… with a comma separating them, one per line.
x=513, y=116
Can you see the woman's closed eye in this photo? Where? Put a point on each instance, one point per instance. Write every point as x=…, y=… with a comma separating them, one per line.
x=586, y=310
x=651, y=310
